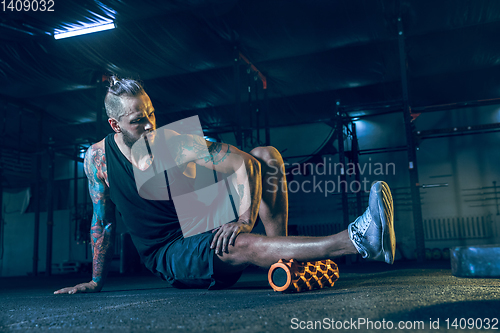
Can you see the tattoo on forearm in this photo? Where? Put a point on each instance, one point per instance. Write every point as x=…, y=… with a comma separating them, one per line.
x=102, y=232
x=102, y=240
x=241, y=191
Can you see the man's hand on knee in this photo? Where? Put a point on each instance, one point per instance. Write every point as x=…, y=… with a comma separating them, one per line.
x=226, y=234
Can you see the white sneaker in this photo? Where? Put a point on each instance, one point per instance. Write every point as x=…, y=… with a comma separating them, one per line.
x=373, y=232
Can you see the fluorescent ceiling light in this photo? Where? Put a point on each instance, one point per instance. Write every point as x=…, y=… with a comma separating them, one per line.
x=83, y=31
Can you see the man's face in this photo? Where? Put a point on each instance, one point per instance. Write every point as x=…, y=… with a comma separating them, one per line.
x=138, y=119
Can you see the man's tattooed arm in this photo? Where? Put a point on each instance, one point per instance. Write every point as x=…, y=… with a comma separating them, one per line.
x=242, y=168
x=102, y=233
x=192, y=147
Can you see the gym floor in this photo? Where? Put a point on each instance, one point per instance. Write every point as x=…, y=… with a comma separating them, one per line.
x=368, y=296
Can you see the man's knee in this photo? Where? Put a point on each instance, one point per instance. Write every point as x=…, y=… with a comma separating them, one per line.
x=238, y=254
x=267, y=155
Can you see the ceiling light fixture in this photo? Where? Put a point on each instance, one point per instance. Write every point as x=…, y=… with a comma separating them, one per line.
x=83, y=31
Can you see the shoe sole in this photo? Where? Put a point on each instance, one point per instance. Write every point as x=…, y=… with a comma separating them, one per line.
x=387, y=216
x=293, y=276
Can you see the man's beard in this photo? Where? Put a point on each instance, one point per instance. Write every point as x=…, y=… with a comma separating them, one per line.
x=140, y=147
x=129, y=139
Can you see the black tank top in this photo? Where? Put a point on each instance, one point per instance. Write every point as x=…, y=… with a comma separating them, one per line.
x=151, y=223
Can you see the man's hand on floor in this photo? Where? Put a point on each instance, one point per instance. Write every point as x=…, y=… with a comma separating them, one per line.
x=87, y=287
x=226, y=234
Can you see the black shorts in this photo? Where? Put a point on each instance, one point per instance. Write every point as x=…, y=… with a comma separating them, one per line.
x=189, y=263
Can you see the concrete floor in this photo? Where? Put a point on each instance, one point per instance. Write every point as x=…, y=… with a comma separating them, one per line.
x=374, y=292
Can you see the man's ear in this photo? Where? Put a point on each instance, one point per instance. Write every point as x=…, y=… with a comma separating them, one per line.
x=114, y=125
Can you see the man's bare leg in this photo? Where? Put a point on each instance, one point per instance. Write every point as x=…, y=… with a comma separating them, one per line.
x=273, y=209
x=372, y=234
x=264, y=251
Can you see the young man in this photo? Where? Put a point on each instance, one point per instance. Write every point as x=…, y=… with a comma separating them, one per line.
x=213, y=259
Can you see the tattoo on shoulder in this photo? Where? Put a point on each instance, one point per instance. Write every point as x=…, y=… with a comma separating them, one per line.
x=96, y=160
x=215, y=155
x=183, y=143
x=198, y=145
x=214, y=148
x=96, y=171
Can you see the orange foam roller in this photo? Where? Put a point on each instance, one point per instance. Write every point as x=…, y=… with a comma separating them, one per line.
x=295, y=276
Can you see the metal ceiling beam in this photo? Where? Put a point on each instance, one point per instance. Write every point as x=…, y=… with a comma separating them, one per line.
x=458, y=131
x=458, y=105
